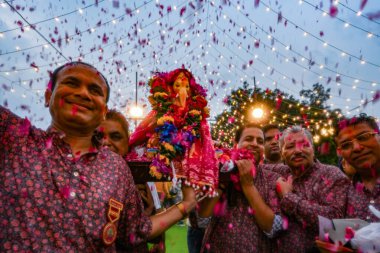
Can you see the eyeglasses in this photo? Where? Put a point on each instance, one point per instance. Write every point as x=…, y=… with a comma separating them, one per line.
x=361, y=138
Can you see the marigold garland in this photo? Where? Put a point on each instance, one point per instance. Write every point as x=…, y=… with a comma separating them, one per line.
x=177, y=128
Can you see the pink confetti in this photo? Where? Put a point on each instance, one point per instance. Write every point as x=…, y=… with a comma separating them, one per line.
x=231, y=120
x=33, y=65
x=230, y=226
x=49, y=143
x=132, y=238
x=24, y=127
x=74, y=110
x=376, y=97
x=333, y=11
x=326, y=237
x=363, y=4
x=116, y=4
x=50, y=85
x=359, y=187
x=182, y=11
x=285, y=222
x=257, y=2
x=105, y=39
x=373, y=15
x=325, y=148
x=251, y=211
x=330, y=197
x=278, y=187
x=278, y=102
x=279, y=17
x=350, y=233
x=65, y=191
x=220, y=208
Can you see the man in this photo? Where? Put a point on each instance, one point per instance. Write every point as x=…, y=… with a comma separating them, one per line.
x=115, y=135
x=115, y=131
x=61, y=191
x=308, y=189
x=247, y=216
x=271, y=144
x=358, y=142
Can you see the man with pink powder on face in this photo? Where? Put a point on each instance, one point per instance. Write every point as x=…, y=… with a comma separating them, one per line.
x=358, y=142
x=307, y=189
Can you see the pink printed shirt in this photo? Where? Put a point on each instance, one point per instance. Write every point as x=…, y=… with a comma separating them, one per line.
x=358, y=200
x=233, y=228
x=322, y=190
x=51, y=201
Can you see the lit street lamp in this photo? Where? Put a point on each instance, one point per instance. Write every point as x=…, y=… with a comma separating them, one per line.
x=258, y=113
x=136, y=112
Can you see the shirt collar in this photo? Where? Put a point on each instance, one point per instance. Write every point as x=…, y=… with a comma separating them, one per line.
x=96, y=144
x=310, y=169
x=54, y=131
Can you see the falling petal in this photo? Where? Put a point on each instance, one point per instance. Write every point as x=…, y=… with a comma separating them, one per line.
x=24, y=127
x=373, y=15
x=182, y=11
x=132, y=238
x=376, y=97
x=285, y=222
x=333, y=11
x=49, y=143
x=325, y=148
x=74, y=110
x=363, y=4
x=350, y=233
x=65, y=191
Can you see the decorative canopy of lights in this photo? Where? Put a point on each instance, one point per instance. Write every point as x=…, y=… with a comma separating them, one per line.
x=282, y=45
x=262, y=107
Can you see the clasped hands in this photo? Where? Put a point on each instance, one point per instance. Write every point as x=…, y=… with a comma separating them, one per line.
x=284, y=186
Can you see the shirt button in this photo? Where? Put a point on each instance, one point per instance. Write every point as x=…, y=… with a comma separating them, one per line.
x=368, y=217
x=372, y=201
x=73, y=194
x=69, y=155
x=76, y=174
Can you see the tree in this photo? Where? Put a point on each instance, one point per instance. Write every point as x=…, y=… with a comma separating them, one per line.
x=318, y=96
x=283, y=110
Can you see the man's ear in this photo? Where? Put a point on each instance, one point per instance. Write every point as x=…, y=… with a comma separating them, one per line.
x=48, y=94
x=105, y=112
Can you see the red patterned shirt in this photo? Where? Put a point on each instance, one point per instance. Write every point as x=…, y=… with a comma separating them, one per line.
x=322, y=190
x=358, y=200
x=233, y=228
x=54, y=202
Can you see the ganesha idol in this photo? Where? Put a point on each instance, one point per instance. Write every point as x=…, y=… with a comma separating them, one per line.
x=176, y=134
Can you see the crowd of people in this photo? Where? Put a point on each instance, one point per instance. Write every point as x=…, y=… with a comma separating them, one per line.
x=69, y=188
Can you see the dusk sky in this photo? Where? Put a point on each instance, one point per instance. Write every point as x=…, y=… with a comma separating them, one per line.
x=289, y=45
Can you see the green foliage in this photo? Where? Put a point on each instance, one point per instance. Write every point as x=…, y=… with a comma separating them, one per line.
x=283, y=110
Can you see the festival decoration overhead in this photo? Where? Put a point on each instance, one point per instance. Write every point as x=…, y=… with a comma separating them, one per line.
x=285, y=45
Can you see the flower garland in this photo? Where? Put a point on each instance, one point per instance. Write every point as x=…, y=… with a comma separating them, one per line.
x=177, y=128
